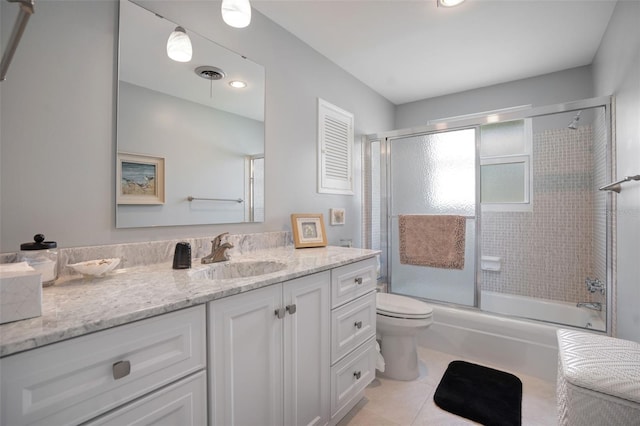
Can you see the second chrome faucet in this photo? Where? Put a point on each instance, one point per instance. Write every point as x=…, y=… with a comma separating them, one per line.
x=218, y=250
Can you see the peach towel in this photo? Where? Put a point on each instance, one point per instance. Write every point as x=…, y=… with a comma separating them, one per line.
x=432, y=240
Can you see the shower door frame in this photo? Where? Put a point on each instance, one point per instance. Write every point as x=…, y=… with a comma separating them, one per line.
x=492, y=117
x=476, y=217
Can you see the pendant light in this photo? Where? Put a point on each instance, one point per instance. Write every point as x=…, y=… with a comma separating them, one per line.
x=179, y=46
x=236, y=13
x=449, y=3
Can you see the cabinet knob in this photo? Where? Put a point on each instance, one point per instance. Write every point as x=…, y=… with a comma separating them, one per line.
x=358, y=324
x=291, y=309
x=121, y=369
x=358, y=280
x=280, y=313
x=357, y=374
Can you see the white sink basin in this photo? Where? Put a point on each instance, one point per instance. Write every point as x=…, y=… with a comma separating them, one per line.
x=243, y=269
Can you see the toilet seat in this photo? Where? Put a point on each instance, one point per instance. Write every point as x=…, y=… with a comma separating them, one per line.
x=395, y=306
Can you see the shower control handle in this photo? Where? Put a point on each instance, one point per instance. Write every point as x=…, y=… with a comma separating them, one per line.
x=357, y=374
x=358, y=280
x=358, y=324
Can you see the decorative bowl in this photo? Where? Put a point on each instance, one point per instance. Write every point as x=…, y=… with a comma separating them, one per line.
x=95, y=268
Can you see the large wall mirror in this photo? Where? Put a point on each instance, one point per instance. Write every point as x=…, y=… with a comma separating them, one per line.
x=190, y=149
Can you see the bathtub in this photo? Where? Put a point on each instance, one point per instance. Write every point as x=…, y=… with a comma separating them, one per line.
x=525, y=346
x=562, y=313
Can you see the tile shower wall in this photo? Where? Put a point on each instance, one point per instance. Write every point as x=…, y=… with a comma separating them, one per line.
x=547, y=253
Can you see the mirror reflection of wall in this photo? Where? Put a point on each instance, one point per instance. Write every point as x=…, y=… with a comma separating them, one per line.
x=204, y=129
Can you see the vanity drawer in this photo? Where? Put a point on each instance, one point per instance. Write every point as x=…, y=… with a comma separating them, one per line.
x=73, y=381
x=352, y=324
x=351, y=281
x=182, y=403
x=351, y=375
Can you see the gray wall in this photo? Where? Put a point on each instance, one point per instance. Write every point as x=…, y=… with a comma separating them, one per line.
x=558, y=87
x=616, y=71
x=58, y=124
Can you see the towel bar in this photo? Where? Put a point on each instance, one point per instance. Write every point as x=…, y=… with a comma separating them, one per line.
x=237, y=200
x=26, y=10
x=615, y=186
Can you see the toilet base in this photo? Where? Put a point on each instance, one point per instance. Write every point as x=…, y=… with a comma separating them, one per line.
x=400, y=355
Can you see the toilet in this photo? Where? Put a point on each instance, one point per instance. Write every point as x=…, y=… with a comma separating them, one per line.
x=398, y=320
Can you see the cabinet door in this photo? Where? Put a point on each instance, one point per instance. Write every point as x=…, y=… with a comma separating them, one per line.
x=245, y=359
x=307, y=350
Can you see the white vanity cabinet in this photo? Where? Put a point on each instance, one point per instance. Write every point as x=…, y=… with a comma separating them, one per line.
x=269, y=355
x=353, y=333
x=77, y=380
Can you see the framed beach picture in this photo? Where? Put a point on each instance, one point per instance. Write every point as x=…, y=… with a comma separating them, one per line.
x=308, y=230
x=140, y=179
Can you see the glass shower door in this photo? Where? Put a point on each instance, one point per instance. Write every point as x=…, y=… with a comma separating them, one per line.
x=433, y=174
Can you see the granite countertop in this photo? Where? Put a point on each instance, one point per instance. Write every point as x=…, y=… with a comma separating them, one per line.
x=75, y=306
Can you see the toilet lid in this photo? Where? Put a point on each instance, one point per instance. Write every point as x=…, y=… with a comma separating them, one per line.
x=393, y=305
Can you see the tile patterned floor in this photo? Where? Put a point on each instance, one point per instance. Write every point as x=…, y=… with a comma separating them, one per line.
x=396, y=403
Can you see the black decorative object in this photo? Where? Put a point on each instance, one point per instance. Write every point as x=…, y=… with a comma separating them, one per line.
x=481, y=394
x=182, y=256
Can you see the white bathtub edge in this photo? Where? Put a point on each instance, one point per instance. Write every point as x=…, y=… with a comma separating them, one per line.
x=517, y=345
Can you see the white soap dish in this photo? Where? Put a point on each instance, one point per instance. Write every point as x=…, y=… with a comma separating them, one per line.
x=95, y=268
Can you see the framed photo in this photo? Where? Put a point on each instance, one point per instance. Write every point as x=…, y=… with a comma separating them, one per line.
x=308, y=230
x=140, y=179
x=336, y=216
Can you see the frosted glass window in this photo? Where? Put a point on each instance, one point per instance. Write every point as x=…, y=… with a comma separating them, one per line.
x=506, y=138
x=503, y=183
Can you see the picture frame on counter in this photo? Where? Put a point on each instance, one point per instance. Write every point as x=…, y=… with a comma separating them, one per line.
x=308, y=230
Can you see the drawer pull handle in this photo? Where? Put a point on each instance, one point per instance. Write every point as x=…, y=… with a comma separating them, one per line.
x=358, y=280
x=358, y=324
x=291, y=309
x=121, y=369
x=280, y=313
x=357, y=374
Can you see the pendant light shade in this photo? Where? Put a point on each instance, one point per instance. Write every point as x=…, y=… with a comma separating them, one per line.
x=449, y=3
x=179, y=46
x=236, y=13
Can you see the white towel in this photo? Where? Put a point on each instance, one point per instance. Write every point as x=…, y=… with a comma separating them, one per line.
x=379, y=360
x=7, y=268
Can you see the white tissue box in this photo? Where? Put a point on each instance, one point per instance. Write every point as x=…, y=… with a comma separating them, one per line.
x=20, y=295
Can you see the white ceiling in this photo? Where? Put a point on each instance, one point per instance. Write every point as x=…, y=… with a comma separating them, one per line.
x=412, y=50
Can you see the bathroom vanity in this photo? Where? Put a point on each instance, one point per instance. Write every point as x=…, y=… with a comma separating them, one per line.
x=294, y=346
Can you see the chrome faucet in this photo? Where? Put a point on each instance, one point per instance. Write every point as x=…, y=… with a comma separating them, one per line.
x=218, y=250
x=596, y=306
x=594, y=284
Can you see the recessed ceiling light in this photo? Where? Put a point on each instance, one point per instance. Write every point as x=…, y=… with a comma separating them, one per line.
x=449, y=3
x=238, y=84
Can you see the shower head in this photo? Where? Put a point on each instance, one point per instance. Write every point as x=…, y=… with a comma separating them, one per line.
x=574, y=123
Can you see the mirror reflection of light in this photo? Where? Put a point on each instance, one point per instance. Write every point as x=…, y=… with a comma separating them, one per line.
x=179, y=46
x=237, y=84
x=493, y=118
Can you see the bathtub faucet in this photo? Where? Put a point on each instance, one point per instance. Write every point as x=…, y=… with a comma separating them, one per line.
x=596, y=306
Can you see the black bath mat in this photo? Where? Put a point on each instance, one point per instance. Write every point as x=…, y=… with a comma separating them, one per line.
x=481, y=394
